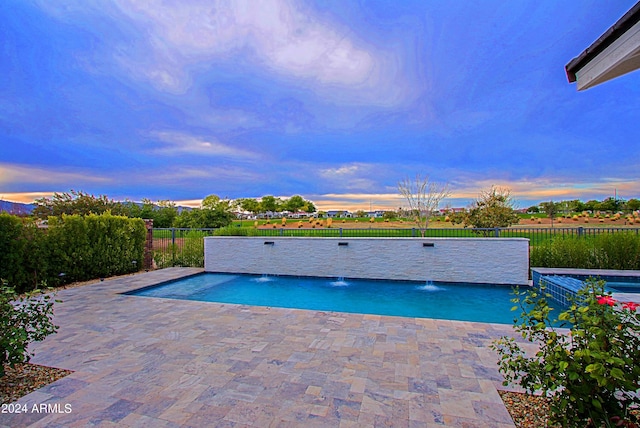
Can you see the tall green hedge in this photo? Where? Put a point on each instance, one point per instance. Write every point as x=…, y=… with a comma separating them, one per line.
x=606, y=251
x=71, y=248
x=12, y=248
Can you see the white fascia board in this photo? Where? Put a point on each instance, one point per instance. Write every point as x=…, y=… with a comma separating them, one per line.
x=621, y=57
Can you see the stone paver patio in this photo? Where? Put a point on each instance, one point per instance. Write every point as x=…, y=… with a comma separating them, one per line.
x=143, y=361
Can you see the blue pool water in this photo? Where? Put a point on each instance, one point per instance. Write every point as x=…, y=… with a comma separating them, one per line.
x=464, y=302
x=624, y=286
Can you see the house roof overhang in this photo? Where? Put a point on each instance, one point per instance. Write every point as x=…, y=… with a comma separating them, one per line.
x=615, y=53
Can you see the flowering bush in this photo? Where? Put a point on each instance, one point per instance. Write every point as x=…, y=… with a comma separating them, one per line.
x=22, y=320
x=592, y=372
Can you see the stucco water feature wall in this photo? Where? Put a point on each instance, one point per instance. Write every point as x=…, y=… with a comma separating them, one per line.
x=479, y=260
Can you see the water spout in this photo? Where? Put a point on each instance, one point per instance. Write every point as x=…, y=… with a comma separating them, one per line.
x=429, y=286
x=340, y=282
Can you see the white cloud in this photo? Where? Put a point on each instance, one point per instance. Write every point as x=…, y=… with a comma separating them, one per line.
x=351, y=177
x=281, y=36
x=277, y=35
x=179, y=173
x=174, y=142
x=341, y=171
x=17, y=174
x=167, y=42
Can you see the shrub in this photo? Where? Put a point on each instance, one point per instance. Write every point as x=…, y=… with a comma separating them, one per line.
x=13, y=247
x=23, y=320
x=23, y=253
x=236, y=231
x=562, y=252
x=81, y=247
x=192, y=251
x=95, y=246
x=619, y=250
x=591, y=374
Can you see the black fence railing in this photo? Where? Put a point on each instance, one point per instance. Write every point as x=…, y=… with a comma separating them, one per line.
x=179, y=247
x=185, y=247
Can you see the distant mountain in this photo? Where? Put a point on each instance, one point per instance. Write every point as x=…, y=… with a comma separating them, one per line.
x=16, y=207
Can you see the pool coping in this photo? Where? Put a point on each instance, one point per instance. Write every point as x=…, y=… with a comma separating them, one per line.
x=238, y=365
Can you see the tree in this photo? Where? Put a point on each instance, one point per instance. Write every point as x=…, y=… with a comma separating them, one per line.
x=389, y=215
x=533, y=209
x=249, y=204
x=309, y=207
x=611, y=204
x=210, y=202
x=215, y=212
x=578, y=206
x=633, y=204
x=493, y=208
x=294, y=203
x=424, y=197
x=76, y=202
x=591, y=205
x=551, y=209
x=163, y=213
x=269, y=204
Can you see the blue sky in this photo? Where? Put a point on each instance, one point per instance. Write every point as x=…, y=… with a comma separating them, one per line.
x=337, y=101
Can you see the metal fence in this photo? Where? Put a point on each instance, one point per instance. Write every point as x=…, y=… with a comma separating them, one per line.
x=185, y=247
x=179, y=247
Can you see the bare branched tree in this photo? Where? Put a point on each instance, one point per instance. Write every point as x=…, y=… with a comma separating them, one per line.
x=424, y=197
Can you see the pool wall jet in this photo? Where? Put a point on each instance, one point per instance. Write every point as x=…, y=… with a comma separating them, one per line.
x=480, y=260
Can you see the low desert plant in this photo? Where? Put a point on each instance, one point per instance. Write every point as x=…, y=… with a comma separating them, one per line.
x=591, y=374
x=23, y=320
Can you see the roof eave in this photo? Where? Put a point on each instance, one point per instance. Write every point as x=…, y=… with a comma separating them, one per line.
x=627, y=21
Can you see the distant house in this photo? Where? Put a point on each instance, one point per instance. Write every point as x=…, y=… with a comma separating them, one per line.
x=244, y=215
x=299, y=214
x=375, y=214
x=615, y=53
x=338, y=213
x=452, y=210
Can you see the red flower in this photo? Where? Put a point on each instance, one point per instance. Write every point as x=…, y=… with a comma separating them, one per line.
x=630, y=305
x=606, y=300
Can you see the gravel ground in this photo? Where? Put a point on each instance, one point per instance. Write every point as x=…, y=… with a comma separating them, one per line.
x=527, y=411
x=25, y=378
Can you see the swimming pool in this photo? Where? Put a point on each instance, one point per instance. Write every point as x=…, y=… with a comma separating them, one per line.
x=453, y=301
x=624, y=286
